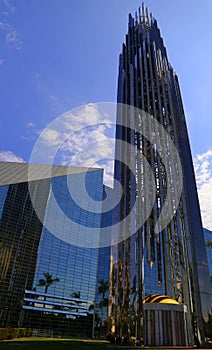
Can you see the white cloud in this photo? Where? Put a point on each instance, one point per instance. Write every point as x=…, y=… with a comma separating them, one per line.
x=88, y=115
x=30, y=125
x=10, y=6
x=10, y=34
x=30, y=132
x=81, y=137
x=4, y=26
x=51, y=137
x=12, y=38
x=90, y=147
x=53, y=98
x=203, y=171
x=8, y=156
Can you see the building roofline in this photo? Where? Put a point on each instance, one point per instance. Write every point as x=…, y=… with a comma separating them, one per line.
x=13, y=172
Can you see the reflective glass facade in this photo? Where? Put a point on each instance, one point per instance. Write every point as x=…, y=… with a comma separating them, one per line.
x=172, y=258
x=47, y=282
x=19, y=240
x=208, y=242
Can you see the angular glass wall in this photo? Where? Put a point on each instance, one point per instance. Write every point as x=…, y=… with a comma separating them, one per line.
x=69, y=298
x=48, y=281
x=20, y=232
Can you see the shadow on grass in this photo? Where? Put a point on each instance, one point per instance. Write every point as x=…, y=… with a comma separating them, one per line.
x=63, y=344
x=45, y=344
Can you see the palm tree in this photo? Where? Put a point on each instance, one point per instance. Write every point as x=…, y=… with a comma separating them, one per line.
x=75, y=295
x=47, y=282
x=103, y=288
x=208, y=244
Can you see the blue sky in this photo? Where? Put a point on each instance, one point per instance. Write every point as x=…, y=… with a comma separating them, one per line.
x=56, y=55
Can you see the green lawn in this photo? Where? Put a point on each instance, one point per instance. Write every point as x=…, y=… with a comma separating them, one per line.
x=55, y=344
x=59, y=344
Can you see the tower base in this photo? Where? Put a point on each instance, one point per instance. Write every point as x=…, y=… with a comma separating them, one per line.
x=166, y=325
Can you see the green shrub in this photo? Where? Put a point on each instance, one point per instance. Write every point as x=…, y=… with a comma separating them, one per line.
x=24, y=332
x=13, y=333
x=28, y=332
x=132, y=341
x=10, y=333
x=4, y=333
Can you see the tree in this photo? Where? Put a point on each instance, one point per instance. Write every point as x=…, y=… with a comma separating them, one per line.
x=75, y=295
x=47, y=282
x=208, y=244
x=102, y=289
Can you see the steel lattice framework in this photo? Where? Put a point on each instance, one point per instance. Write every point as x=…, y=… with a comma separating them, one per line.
x=174, y=255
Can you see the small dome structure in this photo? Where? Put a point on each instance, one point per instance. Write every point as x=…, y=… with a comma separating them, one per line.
x=161, y=299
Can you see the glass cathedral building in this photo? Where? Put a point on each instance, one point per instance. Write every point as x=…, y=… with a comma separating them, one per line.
x=51, y=276
x=46, y=282
x=166, y=259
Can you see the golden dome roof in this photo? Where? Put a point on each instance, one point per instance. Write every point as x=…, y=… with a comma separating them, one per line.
x=161, y=299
